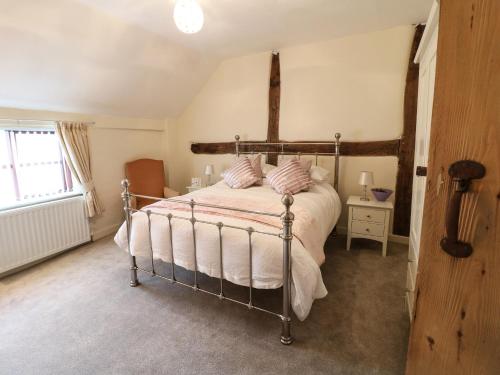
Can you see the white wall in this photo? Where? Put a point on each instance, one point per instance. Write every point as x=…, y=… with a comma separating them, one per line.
x=113, y=141
x=353, y=85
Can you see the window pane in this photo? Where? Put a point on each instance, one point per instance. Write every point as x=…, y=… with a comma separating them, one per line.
x=37, y=170
x=4, y=155
x=7, y=190
x=36, y=147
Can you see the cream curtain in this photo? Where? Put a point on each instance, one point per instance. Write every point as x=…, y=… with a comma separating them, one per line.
x=75, y=145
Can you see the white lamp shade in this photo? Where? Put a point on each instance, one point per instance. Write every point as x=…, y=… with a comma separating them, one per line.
x=209, y=170
x=365, y=178
x=188, y=16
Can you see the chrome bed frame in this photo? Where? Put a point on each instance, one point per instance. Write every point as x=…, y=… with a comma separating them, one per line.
x=285, y=234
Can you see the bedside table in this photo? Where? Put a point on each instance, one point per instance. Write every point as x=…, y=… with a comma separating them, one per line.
x=368, y=219
x=190, y=189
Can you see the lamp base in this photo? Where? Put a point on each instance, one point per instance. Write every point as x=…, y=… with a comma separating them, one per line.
x=365, y=196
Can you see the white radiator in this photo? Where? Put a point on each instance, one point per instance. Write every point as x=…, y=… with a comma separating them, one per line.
x=32, y=233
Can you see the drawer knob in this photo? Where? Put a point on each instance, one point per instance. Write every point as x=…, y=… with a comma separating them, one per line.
x=367, y=229
x=368, y=216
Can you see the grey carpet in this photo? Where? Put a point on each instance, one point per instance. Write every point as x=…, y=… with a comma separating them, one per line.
x=76, y=314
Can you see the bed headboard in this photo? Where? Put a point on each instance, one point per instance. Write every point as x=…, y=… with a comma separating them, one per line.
x=294, y=148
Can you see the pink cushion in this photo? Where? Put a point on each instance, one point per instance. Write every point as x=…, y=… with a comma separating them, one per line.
x=305, y=164
x=256, y=161
x=290, y=178
x=241, y=175
x=256, y=165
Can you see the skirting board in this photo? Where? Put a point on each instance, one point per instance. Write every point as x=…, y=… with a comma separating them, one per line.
x=392, y=237
x=106, y=231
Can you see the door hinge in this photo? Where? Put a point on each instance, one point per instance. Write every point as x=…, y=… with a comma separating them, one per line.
x=421, y=171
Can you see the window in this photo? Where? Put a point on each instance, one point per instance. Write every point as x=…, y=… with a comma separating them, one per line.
x=31, y=167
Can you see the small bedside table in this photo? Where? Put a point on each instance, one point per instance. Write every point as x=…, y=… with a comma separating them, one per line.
x=368, y=219
x=190, y=189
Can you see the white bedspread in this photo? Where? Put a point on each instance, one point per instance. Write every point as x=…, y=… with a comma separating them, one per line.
x=321, y=204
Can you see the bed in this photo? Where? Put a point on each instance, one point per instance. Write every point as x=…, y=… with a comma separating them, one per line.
x=251, y=237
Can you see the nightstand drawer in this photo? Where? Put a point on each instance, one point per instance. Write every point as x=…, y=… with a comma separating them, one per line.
x=371, y=229
x=366, y=214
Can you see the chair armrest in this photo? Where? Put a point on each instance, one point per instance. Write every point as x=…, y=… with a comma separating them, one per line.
x=169, y=193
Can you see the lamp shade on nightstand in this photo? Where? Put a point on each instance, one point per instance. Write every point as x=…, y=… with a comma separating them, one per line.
x=365, y=178
x=209, y=170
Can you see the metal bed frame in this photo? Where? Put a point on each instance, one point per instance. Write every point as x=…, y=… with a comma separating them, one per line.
x=285, y=234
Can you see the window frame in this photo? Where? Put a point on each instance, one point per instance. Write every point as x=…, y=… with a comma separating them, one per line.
x=66, y=174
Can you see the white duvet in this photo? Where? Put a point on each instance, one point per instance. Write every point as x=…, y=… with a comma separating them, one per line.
x=321, y=203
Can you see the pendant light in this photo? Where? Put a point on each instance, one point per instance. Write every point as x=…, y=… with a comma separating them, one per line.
x=188, y=16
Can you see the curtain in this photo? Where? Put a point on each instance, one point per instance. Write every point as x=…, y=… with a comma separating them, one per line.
x=75, y=145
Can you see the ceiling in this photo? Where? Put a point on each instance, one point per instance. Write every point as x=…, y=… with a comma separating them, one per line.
x=126, y=57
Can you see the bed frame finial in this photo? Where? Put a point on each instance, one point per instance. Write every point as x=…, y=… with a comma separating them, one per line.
x=237, y=144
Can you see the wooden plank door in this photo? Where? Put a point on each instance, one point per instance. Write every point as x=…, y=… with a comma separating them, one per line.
x=456, y=326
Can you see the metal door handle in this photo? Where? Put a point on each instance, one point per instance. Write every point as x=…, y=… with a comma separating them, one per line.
x=462, y=172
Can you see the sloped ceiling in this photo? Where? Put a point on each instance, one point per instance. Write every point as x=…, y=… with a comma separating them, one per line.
x=126, y=57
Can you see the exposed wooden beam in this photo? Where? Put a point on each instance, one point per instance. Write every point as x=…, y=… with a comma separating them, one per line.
x=375, y=148
x=404, y=181
x=274, y=104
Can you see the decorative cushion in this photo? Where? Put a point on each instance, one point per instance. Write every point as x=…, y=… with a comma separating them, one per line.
x=305, y=164
x=241, y=175
x=256, y=165
x=319, y=173
x=290, y=177
x=256, y=161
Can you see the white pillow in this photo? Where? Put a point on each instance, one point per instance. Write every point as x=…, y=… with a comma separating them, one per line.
x=319, y=174
x=266, y=168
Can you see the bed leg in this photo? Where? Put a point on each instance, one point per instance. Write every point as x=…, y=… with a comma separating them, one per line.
x=286, y=236
x=128, y=217
x=133, y=272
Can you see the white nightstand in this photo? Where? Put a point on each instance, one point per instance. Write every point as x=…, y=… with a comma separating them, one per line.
x=190, y=189
x=368, y=219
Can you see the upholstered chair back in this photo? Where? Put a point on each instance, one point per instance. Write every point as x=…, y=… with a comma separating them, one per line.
x=146, y=177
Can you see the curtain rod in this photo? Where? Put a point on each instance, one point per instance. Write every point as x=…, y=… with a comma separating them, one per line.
x=40, y=120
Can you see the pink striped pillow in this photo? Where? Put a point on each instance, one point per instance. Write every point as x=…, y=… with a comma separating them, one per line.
x=241, y=175
x=256, y=161
x=290, y=178
x=305, y=164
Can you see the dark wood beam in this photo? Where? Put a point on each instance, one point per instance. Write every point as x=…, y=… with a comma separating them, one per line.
x=404, y=181
x=274, y=104
x=375, y=148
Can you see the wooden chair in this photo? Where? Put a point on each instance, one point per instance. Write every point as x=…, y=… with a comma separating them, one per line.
x=147, y=177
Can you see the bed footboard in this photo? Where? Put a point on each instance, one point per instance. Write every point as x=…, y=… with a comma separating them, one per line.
x=285, y=234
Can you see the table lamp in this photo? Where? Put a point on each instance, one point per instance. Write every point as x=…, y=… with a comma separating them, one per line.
x=365, y=179
x=209, y=171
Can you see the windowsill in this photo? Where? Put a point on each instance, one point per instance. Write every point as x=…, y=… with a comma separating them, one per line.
x=34, y=202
